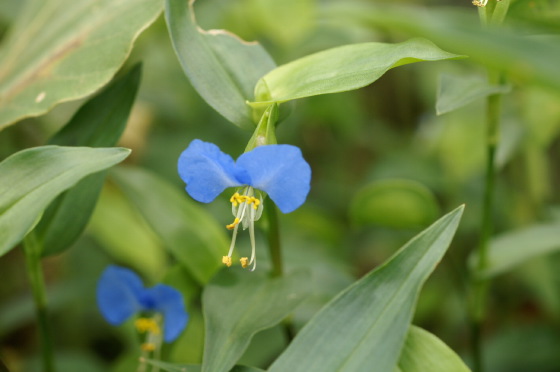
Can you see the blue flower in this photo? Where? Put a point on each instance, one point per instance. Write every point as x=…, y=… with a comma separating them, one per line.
x=121, y=294
x=280, y=171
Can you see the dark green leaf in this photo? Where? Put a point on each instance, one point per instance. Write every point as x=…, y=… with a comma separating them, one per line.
x=365, y=326
x=237, y=304
x=222, y=68
x=98, y=123
x=32, y=178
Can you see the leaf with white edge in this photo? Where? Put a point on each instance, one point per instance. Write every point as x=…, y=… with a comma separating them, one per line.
x=342, y=69
x=458, y=91
x=192, y=236
x=32, y=178
x=423, y=352
x=98, y=123
x=222, y=68
x=364, y=328
x=511, y=249
x=62, y=50
x=237, y=304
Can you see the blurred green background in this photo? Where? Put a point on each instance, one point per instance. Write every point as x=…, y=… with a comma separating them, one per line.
x=385, y=166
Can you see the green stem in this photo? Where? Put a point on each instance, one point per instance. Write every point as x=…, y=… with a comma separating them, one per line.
x=274, y=241
x=32, y=251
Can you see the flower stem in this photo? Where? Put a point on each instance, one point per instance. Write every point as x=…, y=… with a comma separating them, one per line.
x=274, y=241
x=32, y=251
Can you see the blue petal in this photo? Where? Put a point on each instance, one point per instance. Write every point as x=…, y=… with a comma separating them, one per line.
x=169, y=302
x=281, y=171
x=207, y=171
x=118, y=294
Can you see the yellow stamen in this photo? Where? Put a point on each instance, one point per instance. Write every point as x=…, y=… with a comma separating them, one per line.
x=256, y=203
x=144, y=325
x=235, y=199
x=232, y=225
x=480, y=3
x=148, y=346
x=226, y=260
x=244, y=262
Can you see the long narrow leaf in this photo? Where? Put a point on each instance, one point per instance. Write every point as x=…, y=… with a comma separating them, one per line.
x=365, y=326
x=32, y=178
x=98, y=123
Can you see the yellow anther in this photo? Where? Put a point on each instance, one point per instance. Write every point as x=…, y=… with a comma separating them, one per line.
x=480, y=3
x=232, y=225
x=256, y=203
x=148, y=346
x=144, y=325
x=244, y=262
x=235, y=199
x=226, y=260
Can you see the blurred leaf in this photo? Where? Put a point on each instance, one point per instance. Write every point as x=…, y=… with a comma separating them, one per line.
x=271, y=18
x=394, y=203
x=237, y=304
x=195, y=368
x=222, y=68
x=61, y=50
x=32, y=178
x=124, y=234
x=513, y=248
x=525, y=59
x=423, y=352
x=364, y=327
x=341, y=69
x=98, y=123
x=458, y=91
x=187, y=230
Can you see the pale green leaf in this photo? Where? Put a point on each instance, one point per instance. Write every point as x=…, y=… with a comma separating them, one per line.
x=423, y=352
x=61, y=50
x=193, y=237
x=396, y=203
x=125, y=236
x=365, y=326
x=98, y=123
x=237, y=304
x=341, y=69
x=32, y=178
x=512, y=249
x=222, y=68
x=458, y=91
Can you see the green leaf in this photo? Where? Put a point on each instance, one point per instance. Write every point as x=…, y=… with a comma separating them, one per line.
x=341, y=69
x=98, y=123
x=32, y=178
x=512, y=249
x=458, y=91
x=237, y=304
x=508, y=49
x=365, y=326
x=423, y=352
x=125, y=236
x=222, y=68
x=169, y=367
x=394, y=203
x=187, y=230
x=61, y=50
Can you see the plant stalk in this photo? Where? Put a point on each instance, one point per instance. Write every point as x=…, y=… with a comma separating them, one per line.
x=32, y=251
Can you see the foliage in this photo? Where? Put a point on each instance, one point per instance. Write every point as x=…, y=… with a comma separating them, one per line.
x=403, y=111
